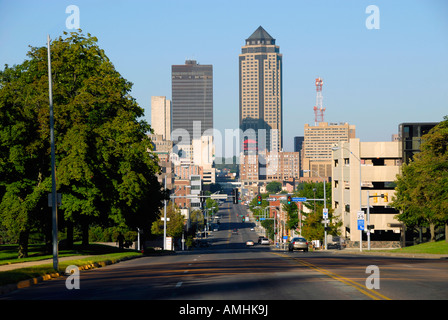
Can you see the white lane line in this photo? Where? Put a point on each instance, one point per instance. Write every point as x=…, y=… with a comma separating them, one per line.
x=178, y=284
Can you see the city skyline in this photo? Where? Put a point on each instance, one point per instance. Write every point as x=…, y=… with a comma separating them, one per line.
x=374, y=79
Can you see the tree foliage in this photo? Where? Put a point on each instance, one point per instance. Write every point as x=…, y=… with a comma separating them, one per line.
x=105, y=169
x=174, y=224
x=312, y=226
x=422, y=186
x=274, y=187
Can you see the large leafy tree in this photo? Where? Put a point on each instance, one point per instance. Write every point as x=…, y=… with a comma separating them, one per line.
x=422, y=186
x=106, y=171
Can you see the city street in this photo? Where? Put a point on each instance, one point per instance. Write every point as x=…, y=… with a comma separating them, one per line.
x=228, y=270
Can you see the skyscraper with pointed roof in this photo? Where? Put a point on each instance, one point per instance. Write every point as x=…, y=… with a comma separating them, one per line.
x=260, y=85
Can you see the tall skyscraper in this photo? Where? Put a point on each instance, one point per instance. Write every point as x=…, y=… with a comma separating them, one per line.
x=260, y=68
x=192, y=98
x=161, y=116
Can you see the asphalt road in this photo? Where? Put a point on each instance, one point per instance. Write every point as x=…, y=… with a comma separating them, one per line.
x=227, y=270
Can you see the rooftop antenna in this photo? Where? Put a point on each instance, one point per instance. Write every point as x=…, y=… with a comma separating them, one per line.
x=318, y=108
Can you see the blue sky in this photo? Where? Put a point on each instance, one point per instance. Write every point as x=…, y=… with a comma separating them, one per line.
x=373, y=78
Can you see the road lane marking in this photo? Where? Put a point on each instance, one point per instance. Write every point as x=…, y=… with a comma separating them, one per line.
x=370, y=293
x=178, y=284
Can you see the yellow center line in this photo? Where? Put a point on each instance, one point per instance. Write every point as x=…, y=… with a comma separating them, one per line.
x=368, y=292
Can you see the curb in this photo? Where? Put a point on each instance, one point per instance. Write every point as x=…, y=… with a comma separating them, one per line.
x=30, y=282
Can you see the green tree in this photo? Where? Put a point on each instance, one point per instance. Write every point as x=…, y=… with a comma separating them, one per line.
x=422, y=186
x=175, y=224
x=197, y=219
x=312, y=226
x=106, y=171
x=274, y=187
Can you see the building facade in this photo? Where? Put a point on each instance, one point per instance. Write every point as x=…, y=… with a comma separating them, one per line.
x=359, y=170
x=317, y=144
x=192, y=100
x=161, y=116
x=269, y=166
x=410, y=135
x=260, y=86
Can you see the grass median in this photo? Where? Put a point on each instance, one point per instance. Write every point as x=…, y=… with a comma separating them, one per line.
x=95, y=255
x=17, y=275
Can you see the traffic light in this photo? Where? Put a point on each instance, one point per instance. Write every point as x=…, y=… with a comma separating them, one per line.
x=386, y=197
x=375, y=199
x=259, y=200
x=289, y=200
x=236, y=195
x=202, y=198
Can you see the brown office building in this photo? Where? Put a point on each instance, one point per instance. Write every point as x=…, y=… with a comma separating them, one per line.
x=260, y=67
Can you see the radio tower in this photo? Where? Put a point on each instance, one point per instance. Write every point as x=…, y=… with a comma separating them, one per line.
x=318, y=108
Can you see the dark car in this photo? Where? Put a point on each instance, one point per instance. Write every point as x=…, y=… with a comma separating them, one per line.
x=298, y=243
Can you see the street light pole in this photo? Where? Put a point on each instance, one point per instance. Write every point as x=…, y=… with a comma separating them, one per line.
x=54, y=205
x=368, y=220
x=164, y=220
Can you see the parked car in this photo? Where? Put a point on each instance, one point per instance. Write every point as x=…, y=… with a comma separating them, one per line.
x=264, y=241
x=334, y=245
x=249, y=243
x=298, y=243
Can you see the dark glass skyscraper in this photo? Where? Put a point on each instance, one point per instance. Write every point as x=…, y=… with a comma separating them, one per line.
x=192, y=97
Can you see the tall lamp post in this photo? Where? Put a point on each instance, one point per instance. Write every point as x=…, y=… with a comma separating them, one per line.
x=335, y=148
x=53, y=166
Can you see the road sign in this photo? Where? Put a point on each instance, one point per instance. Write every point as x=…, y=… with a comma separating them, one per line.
x=218, y=196
x=271, y=199
x=360, y=215
x=325, y=213
x=361, y=224
x=296, y=199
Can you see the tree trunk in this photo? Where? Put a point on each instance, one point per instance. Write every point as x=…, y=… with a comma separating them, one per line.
x=85, y=233
x=432, y=230
x=23, y=244
x=446, y=231
x=69, y=234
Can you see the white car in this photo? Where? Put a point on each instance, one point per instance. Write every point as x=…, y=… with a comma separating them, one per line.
x=249, y=243
x=264, y=241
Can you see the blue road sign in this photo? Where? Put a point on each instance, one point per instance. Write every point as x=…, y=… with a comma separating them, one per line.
x=361, y=224
x=295, y=199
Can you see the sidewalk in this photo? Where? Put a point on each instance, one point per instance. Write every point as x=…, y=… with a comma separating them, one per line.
x=13, y=266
